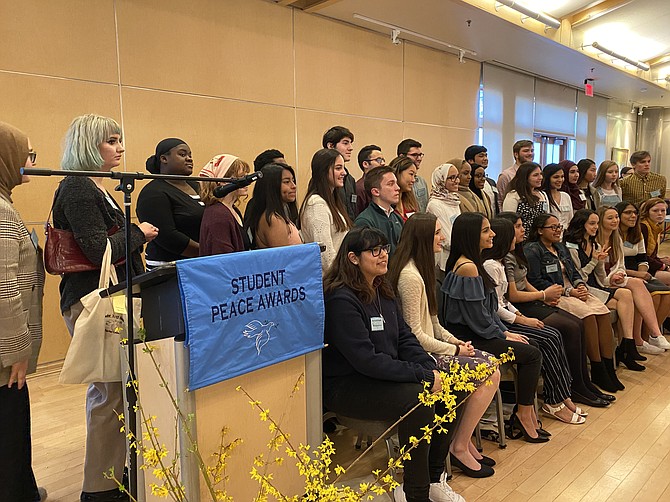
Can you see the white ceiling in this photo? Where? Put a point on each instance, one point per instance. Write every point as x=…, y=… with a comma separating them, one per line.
x=637, y=29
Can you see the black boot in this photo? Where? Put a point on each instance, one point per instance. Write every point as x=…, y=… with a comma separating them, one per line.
x=635, y=354
x=601, y=378
x=609, y=367
x=627, y=355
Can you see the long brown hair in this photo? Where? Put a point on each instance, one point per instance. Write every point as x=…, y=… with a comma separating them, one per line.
x=343, y=273
x=416, y=243
x=631, y=234
x=520, y=182
x=615, y=243
x=322, y=168
x=602, y=171
x=400, y=164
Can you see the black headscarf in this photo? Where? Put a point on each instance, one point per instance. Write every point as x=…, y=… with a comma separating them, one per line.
x=154, y=162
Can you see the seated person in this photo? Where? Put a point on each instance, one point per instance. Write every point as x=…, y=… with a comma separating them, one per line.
x=384, y=191
x=374, y=367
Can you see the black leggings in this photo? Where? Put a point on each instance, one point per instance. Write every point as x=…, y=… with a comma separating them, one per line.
x=527, y=358
x=357, y=396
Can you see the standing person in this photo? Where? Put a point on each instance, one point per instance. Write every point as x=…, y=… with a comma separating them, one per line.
x=523, y=151
x=341, y=139
x=369, y=157
x=412, y=275
x=478, y=184
x=642, y=184
x=411, y=148
x=570, y=185
x=560, y=204
x=271, y=214
x=587, y=174
x=271, y=156
x=469, y=201
x=173, y=206
x=478, y=155
x=590, y=259
x=446, y=205
x=22, y=288
x=526, y=197
x=373, y=366
x=405, y=173
x=323, y=217
x=384, y=191
x=471, y=306
x=221, y=230
x=555, y=368
x=543, y=305
x=606, y=190
x=83, y=206
x=549, y=263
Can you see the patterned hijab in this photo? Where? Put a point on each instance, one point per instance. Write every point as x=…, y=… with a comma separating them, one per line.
x=13, y=155
x=439, y=179
x=218, y=166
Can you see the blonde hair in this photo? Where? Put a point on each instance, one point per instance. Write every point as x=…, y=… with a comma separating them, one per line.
x=615, y=241
x=81, y=149
x=237, y=168
x=602, y=171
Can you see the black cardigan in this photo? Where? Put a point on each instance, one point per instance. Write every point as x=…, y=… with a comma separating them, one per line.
x=392, y=354
x=82, y=208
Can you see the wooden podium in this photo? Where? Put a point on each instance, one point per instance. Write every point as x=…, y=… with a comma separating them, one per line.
x=220, y=405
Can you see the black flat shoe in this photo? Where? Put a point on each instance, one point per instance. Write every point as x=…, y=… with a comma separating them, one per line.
x=598, y=402
x=484, y=472
x=607, y=397
x=486, y=461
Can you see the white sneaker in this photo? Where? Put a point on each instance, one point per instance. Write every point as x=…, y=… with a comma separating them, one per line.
x=442, y=492
x=660, y=342
x=399, y=494
x=647, y=348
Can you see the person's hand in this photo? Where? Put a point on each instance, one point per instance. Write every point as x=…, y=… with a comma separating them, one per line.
x=580, y=292
x=617, y=278
x=601, y=255
x=531, y=322
x=467, y=350
x=437, y=383
x=515, y=337
x=149, y=231
x=553, y=293
x=18, y=374
x=666, y=260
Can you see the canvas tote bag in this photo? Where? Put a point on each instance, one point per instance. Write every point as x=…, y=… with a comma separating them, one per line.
x=95, y=350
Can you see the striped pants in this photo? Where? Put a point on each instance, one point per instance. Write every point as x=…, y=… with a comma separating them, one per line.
x=555, y=369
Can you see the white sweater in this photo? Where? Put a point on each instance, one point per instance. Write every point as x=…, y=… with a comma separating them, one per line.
x=317, y=225
x=446, y=211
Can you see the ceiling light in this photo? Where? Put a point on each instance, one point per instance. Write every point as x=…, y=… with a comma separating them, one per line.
x=637, y=64
x=397, y=31
x=545, y=19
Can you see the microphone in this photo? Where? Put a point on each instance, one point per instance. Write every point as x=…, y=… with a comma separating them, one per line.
x=244, y=181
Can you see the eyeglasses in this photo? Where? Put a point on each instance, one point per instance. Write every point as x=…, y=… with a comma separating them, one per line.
x=454, y=177
x=32, y=155
x=378, y=160
x=629, y=211
x=416, y=155
x=377, y=250
x=555, y=228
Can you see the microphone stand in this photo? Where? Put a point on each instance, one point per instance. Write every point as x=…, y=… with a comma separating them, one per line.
x=127, y=186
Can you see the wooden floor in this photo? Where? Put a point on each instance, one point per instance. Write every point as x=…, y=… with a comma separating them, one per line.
x=622, y=453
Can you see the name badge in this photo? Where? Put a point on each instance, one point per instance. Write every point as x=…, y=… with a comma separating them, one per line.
x=495, y=189
x=551, y=269
x=564, y=209
x=571, y=245
x=545, y=206
x=627, y=245
x=377, y=323
x=354, y=198
x=582, y=196
x=34, y=238
x=655, y=193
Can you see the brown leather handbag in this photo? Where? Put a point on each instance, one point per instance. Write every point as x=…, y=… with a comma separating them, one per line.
x=62, y=254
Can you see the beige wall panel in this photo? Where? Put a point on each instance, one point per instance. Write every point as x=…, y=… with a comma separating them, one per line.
x=70, y=38
x=312, y=125
x=439, y=144
x=231, y=48
x=346, y=70
x=43, y=108
x=210, y=126
x=439, y=89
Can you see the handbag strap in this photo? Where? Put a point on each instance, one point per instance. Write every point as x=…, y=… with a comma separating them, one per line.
x=107, y=270
x=47, y=223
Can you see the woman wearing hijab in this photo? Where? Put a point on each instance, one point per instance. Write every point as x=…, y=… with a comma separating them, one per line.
x=477, y=186
x=221, y=230
x=21, y=288
x=174, y=206
x=571, y=186
x=444, y=203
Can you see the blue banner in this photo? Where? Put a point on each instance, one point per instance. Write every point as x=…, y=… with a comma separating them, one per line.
x=244, y=311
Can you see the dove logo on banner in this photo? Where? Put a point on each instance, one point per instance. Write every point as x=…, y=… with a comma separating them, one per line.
x=244, y=311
